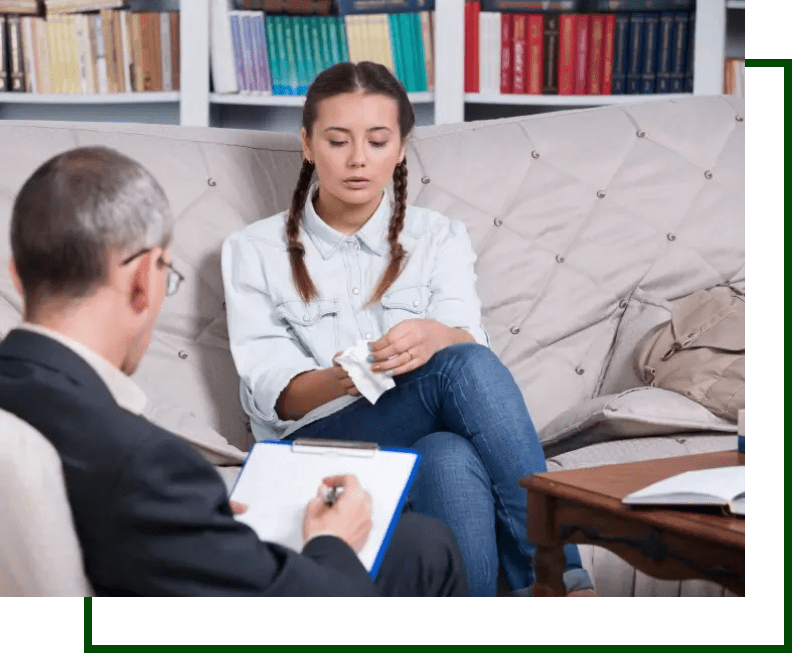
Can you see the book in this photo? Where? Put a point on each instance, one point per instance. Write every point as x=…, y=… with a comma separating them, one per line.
x=650, y=52
x=427, y=37
x=106, y=37
x=722, y=486
x=292, y=81
x=236, y=43
x=534, y=46
x=472, y=10
x=346, y=7
x=175, y=33
x=28, y=54
x=596, y=52
x=567, y=53
x=249, y=46
x=506, y=53
x=525, y=6
x=3, y=58
x=16, y=68
x=137, y=52
x=665, y=44
x=18, y=7
x=486, y=80
x=126, y=56
x=734, y=84
x=329, y=49
x=55, y=7
x=581, y=58
x=221, y=49
x=397, y=49
x=274, y=56
x=316, y=45
x=44, y=83
x=607, y=53
x=519, y=29
x=260, y=34
x=316, y=7
x=165, y=52
x=550, y=55
x=690, y=57
x=278, y=479
x=621, y=50
x=635, y=53
x=638, y=5
x=343, y=44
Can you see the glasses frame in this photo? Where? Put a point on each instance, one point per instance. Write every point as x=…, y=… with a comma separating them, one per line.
x=174, y=276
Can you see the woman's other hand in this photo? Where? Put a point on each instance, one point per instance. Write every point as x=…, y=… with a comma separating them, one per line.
x=341, y=376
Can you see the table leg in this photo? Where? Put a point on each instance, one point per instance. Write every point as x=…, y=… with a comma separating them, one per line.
x=549, y=564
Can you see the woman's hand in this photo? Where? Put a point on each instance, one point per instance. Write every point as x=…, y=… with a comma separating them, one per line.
x=411, y=344
x=340, y=376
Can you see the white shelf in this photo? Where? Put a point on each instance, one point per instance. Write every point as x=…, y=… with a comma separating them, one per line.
x=565, y=100
x=99, y=98
x=289, y=100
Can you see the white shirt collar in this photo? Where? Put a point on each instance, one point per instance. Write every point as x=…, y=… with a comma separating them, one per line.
x=125, y=391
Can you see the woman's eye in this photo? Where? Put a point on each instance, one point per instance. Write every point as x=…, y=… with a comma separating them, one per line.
x=337, y=143
x=379, y=143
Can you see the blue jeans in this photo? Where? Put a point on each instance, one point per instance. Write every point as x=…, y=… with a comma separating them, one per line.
x=465, y=414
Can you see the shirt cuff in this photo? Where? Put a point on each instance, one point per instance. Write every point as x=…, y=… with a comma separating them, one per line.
x=313, y=536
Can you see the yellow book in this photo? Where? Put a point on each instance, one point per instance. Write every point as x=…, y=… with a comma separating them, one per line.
x=72, y=56
x=427, y=34
x=57, y=76
x=349, y=23
x=386, y=43
x=42, y=56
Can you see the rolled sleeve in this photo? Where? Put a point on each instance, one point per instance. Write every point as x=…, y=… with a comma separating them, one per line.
x=454, y=301
x=266, y=352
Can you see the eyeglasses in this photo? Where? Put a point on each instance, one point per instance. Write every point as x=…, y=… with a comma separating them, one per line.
x=174, y=276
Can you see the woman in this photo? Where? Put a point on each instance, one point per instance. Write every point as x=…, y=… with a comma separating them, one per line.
x=345, y=264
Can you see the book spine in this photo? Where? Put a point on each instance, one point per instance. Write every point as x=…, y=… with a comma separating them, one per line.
x=550, y=55
x=155, y=41
x=82, y=54
x=126, y=53
x=284, y=67
x=142, y=82
x=111, y=53
x=29, y=56
x=317, y=7
x=386, y=41
x=16, y=55
x=175, y=50
x=472, y=10
x=292, y=80
x=621, y=49
x=649, y=67
x=428, y=45
x=346, y=7
x=607, y=53
x=273, y=53
x=506, y=53
x=407, y=53
x=50, y=28
x=518, y=49
x=328, y=49
x=663, y=84
x=42, y=56
x=343, y=44
x=249, y=44
x=316, y=45
x=100, y=62
x=396, y=47
x=312, y=64
x=484, y=44
x=679, y=40
x=77, y=72
x=642, y=5
x=301, y=54
x=596, y=47
x=690, y=56
x=635, y=55
x=3, y=65
x=420, y=60
x=236, y=42
x=581, y=61
x=567, y=53
x=522, y=6
x=93, y=58
x=263, y=52
x=349, y=30
x=165, y=51
x=535, y=47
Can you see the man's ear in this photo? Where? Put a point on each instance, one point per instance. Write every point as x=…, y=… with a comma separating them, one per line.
x=15, y=278
x=140, y=287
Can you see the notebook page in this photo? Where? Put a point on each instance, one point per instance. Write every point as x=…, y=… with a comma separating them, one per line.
x=277, y=484
x=722, y=482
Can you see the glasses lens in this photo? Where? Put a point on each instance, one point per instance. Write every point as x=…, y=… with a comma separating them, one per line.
x=173, y=282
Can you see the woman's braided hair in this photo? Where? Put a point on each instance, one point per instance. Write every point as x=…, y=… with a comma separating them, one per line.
x=347, y=77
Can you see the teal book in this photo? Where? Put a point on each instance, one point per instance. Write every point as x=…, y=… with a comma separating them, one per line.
x=319, y=61
x=292, y=78
x=300, y=52
x=396, y=46
x=418, y=52
x=408, y=50
x=324, y=40
x=342, y=42
x=311, y=63
x=335, y=40
x=275, y=59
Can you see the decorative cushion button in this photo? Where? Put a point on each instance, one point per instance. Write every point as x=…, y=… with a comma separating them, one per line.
x=708, y=174
x=600, y=194
x=641, y=133
x=623, y=303
x=580, y=370
x=182, y=354
x=559, y=258
x=739, y=118
x=211, y=182
x=515, y=330
x=671, y=237
x=425, y=180
x=498, y=222
x=535, y=154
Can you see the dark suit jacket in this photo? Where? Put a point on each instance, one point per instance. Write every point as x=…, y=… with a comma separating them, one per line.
x=151, y=514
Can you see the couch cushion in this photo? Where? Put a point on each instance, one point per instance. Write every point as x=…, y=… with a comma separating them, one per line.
x=638, y=412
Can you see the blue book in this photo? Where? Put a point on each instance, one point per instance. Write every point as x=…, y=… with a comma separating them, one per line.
x=344, y=7
x=635, y=53
x=256, y=78
x=621, y=49
x=650, y=52
x=261, y=51
x=666, y=44
x=236, y=38
x=679, y=52
x=690, y=58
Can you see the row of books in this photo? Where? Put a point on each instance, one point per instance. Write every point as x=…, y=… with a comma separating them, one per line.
x=258, y=53
x=51, y=7
x=578, y=54
x=110, y=51
x=734, y=77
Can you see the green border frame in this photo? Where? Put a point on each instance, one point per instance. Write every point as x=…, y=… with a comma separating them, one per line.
x=61, y=624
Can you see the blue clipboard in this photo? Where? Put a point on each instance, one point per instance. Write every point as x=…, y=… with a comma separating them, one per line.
x=279, y=478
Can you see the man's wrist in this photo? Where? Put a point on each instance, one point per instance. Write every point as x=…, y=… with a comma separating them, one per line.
x=313, y=536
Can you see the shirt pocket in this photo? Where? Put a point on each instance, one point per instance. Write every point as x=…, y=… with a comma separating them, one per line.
x=405, y=304
x=314, y=324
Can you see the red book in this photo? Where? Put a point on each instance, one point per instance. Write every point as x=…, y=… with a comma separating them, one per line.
x=596, y=41
x=506, y=53
x=567, y=53
x=472, y=10
x=519, y=23
x=607, y=53
x=581, y=60
x=535, y=53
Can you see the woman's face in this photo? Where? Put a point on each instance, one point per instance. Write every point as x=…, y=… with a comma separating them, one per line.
x=355, y=145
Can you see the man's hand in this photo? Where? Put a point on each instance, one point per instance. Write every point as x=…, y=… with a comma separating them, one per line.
x=349, y=517
x=238, y=508
x=411, y=344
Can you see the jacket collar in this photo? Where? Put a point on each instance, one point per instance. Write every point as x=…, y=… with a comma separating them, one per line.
x=373, y=234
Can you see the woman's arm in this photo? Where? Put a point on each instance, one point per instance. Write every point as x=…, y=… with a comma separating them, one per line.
x=312, y=389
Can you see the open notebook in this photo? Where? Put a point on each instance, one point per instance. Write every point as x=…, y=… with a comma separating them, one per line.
x=722, y=486
x=280, y=478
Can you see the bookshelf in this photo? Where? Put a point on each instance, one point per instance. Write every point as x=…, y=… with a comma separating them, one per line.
x=720, y=27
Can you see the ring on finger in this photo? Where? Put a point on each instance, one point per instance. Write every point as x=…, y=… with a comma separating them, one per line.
x=409, y=353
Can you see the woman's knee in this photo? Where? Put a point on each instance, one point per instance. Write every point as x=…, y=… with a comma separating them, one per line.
x=444, y=453
x=474, y=356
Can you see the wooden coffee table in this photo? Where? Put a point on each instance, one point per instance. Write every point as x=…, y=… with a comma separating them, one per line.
x=583, y=506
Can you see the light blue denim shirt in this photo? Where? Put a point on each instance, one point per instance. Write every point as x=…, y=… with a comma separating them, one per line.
x=275, y=336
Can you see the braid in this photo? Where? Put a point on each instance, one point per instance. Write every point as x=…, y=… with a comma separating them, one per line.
x=398, y=255
x=302, y=280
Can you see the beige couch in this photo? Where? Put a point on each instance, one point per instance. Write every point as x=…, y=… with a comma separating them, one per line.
x=588, y=224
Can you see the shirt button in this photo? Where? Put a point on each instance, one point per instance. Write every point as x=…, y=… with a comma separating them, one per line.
x=368, y=336
x=355, y=291
x=416, y=302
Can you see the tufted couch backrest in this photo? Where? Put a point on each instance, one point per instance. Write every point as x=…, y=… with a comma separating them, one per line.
x=571, y=214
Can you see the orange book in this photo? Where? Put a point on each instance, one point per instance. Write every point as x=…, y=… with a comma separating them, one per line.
x=111, y=54
x=137, y=51
x=519, y=23
x=535, y=47
x=567, y=53
x=175, y=49
x=155, y=49
x=607, y=53
x=596, y=43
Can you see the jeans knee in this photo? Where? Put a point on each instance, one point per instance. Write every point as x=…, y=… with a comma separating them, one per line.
x=446, y=454
x=474, y=355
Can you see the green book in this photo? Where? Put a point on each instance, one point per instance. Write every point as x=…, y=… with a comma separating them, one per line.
x=325, y=39
x=292, y=79
x=275, y=60
x=311, y=63
x=407, y=46
x=342, y=42
x=396, y=46
x=334, y=44
x=418, y=52
x=319, y=60
x=300, y=53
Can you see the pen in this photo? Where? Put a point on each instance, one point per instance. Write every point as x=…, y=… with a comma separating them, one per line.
x=331, y=495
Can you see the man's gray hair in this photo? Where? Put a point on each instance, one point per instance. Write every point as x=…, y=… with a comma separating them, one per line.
x=73, y=212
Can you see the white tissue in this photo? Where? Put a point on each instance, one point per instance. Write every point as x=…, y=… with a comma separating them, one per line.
x=370, y=384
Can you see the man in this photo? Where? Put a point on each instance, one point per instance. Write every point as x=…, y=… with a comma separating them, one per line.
x=90, y=236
